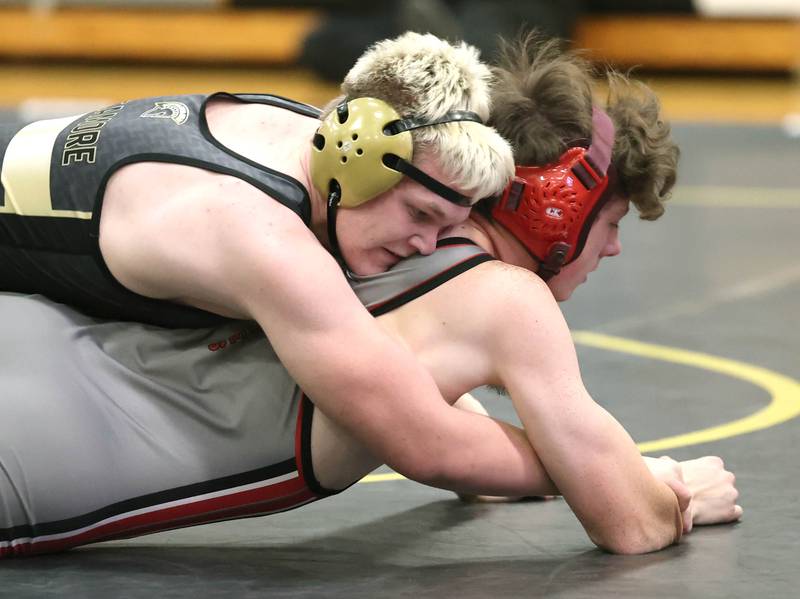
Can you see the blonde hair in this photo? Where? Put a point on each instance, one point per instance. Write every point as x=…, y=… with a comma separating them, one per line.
x=426, y=77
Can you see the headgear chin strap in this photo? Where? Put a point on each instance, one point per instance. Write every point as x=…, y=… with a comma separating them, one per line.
x=364, y=148
x=550, y=209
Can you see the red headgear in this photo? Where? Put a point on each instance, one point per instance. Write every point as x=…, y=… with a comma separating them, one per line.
x=550, y=209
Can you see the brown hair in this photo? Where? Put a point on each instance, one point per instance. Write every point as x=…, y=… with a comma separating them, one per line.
x=542, y=103
x=645, y=155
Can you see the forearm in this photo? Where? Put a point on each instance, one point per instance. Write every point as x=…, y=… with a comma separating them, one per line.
x=498, y=460
x=398, y=414
x=447, y=448
x=601, y=474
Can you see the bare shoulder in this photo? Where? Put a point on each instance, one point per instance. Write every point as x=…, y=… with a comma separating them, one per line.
x=484, y=326
x=520, y=321
x=503, y=292
x=183, y=233
x=491, y=301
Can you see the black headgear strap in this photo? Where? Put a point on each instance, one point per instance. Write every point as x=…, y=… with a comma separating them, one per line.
x=412, y=172
x=334, y=195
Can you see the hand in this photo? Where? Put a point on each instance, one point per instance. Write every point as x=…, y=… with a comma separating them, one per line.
x=713, y=492
x=671, y=473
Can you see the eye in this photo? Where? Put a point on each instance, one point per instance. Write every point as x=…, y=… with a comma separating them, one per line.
x=418, y=215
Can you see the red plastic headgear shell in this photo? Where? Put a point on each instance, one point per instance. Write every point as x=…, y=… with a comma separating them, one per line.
x=550, y=209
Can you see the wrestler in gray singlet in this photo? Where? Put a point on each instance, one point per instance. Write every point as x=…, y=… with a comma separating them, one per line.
x=112, y=430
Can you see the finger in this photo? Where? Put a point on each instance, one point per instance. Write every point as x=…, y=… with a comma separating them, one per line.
x=682, y=492
x=686, y=517
x=685, y=500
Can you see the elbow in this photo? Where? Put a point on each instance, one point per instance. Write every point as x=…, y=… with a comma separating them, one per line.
x=417, y=466
x=647, y=527
x=637, y=537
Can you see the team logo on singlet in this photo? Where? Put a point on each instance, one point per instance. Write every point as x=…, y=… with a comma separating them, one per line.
x=175, y=111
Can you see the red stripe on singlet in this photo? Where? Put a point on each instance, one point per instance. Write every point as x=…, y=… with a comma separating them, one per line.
x=278, y=497
x=254, y=502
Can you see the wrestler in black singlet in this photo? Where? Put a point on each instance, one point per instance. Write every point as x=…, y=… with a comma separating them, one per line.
x=54, y=175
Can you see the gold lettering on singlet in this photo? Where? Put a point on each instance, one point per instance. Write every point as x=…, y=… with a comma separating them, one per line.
x=26, y=171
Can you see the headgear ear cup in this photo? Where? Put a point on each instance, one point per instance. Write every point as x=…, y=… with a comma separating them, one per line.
x=364, y=148
x=349, y=147
x=550, y=209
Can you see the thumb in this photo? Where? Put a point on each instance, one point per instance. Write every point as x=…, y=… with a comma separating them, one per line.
x=682, y=492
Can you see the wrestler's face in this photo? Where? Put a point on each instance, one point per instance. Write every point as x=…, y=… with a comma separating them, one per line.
x=400, y=222
x=602, y=241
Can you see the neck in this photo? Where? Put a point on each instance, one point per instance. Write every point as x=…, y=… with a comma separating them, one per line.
x=497, y=240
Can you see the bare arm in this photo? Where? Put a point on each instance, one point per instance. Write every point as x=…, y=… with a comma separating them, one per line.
x=712, y=487
x=240, y=254
x=590, y=457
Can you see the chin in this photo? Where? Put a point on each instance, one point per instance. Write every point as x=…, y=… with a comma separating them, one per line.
x=364, y=267
x=560, y=294
x=359, y=269
x=367, y=271
x=354, y=262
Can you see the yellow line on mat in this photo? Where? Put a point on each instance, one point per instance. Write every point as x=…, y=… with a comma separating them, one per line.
x=736, y=197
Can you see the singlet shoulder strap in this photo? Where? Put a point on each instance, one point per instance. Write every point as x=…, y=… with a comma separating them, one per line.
x=417, y=275
x=273, y=100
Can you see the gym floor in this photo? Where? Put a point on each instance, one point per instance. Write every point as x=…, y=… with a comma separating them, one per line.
x=689, y=338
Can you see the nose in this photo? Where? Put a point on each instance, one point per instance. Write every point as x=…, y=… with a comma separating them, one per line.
x=424, y=242
x=614, y=246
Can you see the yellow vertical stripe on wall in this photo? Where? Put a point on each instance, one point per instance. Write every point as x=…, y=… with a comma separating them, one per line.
x=26, y=171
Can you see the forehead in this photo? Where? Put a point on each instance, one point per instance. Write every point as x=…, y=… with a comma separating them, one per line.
x=616, y=207
x=423, y=198
x=432, y=203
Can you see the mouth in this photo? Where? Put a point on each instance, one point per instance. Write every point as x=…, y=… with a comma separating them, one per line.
x=394, y=258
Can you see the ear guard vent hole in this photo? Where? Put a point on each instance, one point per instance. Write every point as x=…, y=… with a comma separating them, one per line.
x=319, y=141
